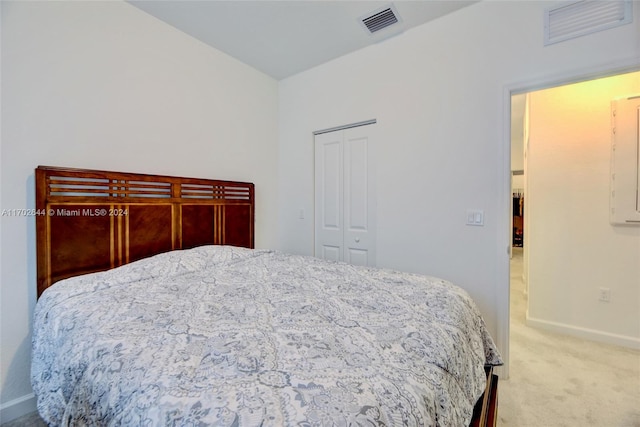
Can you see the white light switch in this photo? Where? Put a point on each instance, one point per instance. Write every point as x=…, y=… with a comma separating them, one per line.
x=301, y=214
x=475, y=217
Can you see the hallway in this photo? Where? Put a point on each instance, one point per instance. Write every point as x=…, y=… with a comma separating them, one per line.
x=559, y=380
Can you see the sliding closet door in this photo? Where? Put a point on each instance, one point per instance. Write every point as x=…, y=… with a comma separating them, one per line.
x=359, y=209
x=329, y=195
x=344, y=196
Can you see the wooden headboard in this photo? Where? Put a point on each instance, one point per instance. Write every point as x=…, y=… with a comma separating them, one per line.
x=89, y=220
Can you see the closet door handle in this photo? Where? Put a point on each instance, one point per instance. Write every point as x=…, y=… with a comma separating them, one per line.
x=357, y=240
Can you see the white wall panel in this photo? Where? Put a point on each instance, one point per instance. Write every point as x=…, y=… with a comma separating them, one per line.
x=103, y=85
x=437, y=92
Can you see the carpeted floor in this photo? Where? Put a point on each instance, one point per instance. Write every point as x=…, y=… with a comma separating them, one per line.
x=561, y=381
x=556, y=380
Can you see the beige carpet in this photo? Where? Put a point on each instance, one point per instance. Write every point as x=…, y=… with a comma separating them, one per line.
x=558, y=380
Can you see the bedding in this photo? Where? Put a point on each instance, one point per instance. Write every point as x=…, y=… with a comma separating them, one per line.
x=222, y=335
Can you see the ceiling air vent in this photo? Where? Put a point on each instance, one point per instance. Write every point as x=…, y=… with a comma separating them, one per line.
x=381, y=18
x=584, y=17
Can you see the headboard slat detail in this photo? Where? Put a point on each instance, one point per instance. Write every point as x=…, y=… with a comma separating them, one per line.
x=95, y=220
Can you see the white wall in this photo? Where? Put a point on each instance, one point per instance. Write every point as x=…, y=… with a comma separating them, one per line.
x=574, y=250
x=103, y=85
x=518, y=107
x=437, y=92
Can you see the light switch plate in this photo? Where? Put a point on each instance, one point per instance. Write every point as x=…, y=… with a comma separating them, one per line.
x=475, y=217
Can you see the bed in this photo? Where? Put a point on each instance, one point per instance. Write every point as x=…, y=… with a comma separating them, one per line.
x=177, y=321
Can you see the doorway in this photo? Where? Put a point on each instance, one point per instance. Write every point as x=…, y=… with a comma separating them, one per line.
x=570, y=248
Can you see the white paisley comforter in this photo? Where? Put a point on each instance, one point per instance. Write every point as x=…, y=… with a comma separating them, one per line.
x=224, y=336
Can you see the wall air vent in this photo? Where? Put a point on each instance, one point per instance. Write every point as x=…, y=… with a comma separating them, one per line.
x=584, y=17
x=381, y=18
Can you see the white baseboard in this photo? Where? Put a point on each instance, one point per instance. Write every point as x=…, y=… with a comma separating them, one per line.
x=589, y=334
x=17, y=407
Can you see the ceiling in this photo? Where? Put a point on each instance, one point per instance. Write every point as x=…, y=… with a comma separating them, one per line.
x=282, y=38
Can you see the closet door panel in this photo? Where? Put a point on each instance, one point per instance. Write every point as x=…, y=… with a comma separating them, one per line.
x=345, y=196
x=331, y=253
x=357, y=256
x=358, y=195
x=329, y=196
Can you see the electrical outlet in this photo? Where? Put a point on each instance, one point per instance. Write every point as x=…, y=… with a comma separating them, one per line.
x=605, y=295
